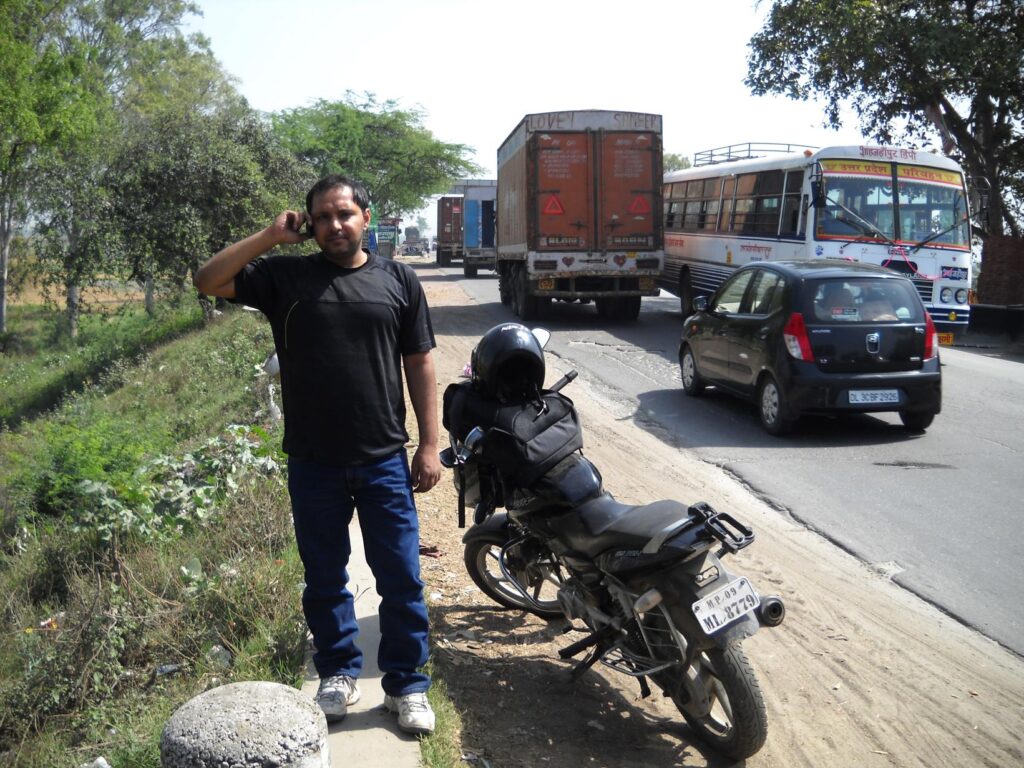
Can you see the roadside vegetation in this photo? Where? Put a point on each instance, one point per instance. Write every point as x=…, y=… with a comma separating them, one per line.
x=145, y=549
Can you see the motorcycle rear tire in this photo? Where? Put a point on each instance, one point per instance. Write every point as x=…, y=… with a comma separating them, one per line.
x=737, y=724
x=481, y=556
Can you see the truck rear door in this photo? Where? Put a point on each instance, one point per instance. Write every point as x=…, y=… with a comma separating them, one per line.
x=629, y=173
x=564, y=198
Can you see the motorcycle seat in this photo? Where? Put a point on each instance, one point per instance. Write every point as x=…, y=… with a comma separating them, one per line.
x=604, y=523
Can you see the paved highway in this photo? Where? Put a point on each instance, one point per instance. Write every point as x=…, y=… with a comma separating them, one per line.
x=940, y=512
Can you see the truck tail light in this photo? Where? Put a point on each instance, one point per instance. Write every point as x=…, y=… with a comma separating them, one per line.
x=798, y=343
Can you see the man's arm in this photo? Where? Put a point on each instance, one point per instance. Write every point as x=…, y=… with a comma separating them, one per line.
x=419, y=375
x=217, y=276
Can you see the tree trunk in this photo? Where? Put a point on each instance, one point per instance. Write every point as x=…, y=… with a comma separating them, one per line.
x=5, y=256
x=150, y=296
x=74, y=307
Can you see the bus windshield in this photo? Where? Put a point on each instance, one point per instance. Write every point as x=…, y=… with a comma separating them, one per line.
x=859, y=204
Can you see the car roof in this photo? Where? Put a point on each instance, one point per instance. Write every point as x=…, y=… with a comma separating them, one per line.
x=826, y=269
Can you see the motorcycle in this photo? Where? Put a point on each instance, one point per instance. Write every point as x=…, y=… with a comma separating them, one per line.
x=647, y=582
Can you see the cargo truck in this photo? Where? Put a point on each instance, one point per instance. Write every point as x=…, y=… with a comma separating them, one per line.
x=478, y=236
x=579, y=212
x=449, y=229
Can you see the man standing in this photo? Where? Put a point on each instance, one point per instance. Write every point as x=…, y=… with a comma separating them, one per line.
x=345, y=325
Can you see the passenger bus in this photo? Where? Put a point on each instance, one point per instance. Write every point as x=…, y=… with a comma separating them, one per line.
x=904, y=209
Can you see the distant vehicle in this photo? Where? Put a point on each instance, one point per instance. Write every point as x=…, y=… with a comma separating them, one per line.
x=412, y=249
x=819, y=336
x=449, y=230
x=479, y=246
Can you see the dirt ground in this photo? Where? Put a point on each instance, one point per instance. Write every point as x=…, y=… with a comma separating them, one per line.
x=861, y=673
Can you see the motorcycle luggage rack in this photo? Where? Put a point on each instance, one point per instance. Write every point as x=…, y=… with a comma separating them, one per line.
x=733, y=535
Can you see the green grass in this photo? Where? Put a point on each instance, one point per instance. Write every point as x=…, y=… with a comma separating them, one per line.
x=41, y=365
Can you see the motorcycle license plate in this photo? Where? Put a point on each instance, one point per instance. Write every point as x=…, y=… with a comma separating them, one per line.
x=868, y=396
x=725, y=605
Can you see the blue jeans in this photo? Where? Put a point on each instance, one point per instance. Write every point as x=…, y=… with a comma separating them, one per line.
x=323, y=500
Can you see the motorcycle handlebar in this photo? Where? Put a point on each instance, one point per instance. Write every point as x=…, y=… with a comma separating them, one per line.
x=564, y=380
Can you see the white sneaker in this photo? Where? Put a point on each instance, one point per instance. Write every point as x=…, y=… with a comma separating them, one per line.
x=414, y=712
x=335, y=694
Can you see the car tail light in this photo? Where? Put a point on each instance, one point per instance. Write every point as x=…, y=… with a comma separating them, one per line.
x=931, y=338
x=798, y=343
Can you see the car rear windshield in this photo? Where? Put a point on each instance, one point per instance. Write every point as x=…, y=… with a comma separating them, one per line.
x=864, y=300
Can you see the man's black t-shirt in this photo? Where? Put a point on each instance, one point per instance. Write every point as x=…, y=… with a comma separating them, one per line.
x=340, y=336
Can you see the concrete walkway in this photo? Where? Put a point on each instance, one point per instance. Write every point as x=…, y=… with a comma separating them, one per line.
x=369, y=735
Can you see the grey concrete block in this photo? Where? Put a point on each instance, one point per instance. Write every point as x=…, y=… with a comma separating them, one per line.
x=246, y=725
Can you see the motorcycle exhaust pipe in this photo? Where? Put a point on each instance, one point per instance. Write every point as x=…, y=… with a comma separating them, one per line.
x=772, y=611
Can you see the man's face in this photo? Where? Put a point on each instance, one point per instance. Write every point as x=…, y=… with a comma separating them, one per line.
x=338, y=222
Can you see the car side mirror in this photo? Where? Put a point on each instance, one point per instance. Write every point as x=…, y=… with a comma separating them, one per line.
x=700, y=304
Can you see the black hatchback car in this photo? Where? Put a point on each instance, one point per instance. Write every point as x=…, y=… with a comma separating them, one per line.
x=821, y=336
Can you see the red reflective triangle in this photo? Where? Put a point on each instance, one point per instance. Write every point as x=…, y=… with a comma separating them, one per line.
x=553, y=207
x=640, y=205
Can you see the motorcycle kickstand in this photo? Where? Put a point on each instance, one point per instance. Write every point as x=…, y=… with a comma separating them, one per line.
x=581, y=645
x=645, y=689
x=582, y=666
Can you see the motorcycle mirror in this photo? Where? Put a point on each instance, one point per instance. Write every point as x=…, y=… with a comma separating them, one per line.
x=473, y=438
x=542, y=336
x=448, y=458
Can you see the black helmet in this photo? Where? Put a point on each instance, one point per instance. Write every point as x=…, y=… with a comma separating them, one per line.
x=508, y=363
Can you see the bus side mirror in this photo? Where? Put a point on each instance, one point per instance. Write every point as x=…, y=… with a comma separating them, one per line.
x=817, y=187
x=817, y=193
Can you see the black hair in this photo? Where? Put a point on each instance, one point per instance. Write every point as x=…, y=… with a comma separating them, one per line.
x=359, y=193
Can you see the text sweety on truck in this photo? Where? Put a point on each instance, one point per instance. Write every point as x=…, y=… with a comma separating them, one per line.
x=579, y=211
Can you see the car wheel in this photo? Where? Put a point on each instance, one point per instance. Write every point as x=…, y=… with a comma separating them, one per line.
x=693, y=384
x=771, y=403
x=917, y=421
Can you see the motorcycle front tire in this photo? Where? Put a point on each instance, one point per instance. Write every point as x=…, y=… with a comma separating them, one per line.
x=481, y=557
x=737, y=723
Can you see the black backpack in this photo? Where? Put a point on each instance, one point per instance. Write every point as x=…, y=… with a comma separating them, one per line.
x=524, y=439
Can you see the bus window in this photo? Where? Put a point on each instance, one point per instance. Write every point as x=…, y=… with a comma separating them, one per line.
x=711, y=215
x=692, y=215
x=791, y=204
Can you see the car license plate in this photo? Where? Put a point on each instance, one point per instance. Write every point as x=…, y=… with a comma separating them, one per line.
x=946, y=339
x=724, y=606
x=869, y=396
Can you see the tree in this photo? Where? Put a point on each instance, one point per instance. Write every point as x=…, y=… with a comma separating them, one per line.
x=674, y=162
x=45, y=104
x=911, y=70
x=387, y=148
x=187, y=184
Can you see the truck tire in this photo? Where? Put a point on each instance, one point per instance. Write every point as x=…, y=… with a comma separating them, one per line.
x=505, y=287
x=525, y=306
x=626, y=309
x=685, y=293
x=468, y=270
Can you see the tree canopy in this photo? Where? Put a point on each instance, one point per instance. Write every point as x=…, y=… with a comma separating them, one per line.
x=387, y=148
x=912, y=71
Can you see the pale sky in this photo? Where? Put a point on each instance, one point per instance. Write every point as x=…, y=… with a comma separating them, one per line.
x=475, y=68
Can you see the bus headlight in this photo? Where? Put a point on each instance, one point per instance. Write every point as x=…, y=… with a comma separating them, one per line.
x=961, y=296
x=946, y=295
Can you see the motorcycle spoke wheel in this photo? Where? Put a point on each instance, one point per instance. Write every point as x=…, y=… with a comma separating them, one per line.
x=540, y=578
x=736, y=720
